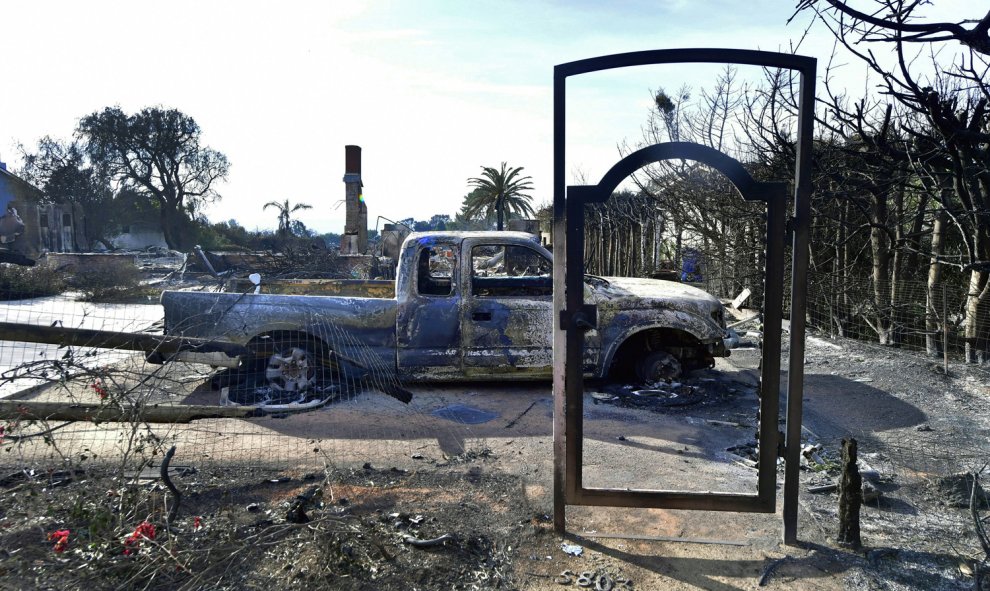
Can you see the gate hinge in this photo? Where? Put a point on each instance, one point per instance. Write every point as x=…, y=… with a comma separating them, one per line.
x=585, y=319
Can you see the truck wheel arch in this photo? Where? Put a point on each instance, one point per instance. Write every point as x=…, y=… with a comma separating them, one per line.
x=269, y=344
x=622, y=359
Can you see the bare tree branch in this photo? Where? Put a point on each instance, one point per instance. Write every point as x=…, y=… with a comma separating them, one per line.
x=895, y=17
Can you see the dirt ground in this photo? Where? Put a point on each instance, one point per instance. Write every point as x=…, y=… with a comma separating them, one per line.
x=454, y=491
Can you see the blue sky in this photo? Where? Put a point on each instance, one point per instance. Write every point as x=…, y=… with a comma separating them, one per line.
x=431, y=90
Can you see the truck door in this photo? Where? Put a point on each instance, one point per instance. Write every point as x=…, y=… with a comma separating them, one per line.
x=506, y=328
x=428, y=324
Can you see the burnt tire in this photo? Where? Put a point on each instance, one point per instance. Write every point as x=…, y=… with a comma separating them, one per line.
x=658, y=366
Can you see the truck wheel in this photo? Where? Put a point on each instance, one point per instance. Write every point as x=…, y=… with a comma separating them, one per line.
x=658, y=365
x=292, y=369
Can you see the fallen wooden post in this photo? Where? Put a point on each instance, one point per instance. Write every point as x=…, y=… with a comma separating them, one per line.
x=28, y=410
x=106, y=339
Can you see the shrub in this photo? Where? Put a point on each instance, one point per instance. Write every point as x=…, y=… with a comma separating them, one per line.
x=17, y=282
x=106, y=281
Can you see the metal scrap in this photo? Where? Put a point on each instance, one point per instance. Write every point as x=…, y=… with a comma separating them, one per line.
x=418, y=543
x=176, y=494
x=656, y=396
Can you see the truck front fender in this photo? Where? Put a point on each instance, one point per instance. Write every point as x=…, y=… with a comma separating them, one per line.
x=625, y=325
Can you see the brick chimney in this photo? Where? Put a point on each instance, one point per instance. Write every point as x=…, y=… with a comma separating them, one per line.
x=355, y=238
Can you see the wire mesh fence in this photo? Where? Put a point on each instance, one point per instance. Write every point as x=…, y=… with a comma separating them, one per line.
x=922, y=319
x=102, y=428
x=947, y=480
x=923, y=432
x=359, y=442
x=907, y=314
x=922, y=437
x=917, y=489
x=287, y=373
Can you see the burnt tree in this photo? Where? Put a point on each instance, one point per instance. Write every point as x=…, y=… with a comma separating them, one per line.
x=951, y=95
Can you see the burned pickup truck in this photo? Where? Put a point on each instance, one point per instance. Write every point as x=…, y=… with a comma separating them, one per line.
x=463, y=306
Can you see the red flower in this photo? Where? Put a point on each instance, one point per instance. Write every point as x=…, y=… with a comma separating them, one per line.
x=132, y=543
x=100, y=390
x=61, y=539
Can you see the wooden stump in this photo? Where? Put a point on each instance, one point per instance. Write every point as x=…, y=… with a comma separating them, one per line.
x=850, y=497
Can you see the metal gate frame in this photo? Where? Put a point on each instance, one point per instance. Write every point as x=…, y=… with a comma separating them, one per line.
x=572, y=317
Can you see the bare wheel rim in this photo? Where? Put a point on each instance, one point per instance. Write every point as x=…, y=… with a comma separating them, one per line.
x=290, y=370
x=658, y=365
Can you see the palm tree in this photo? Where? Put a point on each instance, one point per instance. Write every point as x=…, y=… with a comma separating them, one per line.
x=284, y=214
x=499, y=191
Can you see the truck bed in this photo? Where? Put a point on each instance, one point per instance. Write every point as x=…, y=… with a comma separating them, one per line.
x=355, y=288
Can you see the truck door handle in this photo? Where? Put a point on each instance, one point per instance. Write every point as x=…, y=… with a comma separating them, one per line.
x=482, y=316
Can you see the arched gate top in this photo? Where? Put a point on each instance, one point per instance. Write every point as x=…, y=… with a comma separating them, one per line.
x=749, y=188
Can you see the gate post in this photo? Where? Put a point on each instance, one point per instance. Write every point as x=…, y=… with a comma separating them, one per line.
x=800, y=224
x=559, y=336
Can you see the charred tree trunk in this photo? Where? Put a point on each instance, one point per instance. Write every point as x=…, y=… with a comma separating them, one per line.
x=932, y=312
x=879, y=245
x=841, y=285
x=897, y=268
x=976, y=339
x=171, y=227
x=845, y=313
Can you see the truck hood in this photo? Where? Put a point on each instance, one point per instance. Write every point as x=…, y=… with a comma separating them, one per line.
x=633, y=292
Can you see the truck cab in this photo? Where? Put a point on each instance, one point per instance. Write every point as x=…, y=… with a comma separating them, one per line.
x=478, y=305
